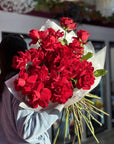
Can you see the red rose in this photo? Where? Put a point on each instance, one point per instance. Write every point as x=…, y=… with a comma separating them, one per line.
x=19, y=62
x=67, y=23
x=17, y=86
x=72, y=69
x=33, y=104
x=50, y=42
x=26, y=90
x=35, y=95
x=21, y=81
x=40, y=54
x=32, y=79
x=62, y=90
x=34, y=35
x=45, y=96
x=85, y=79
x=43, y=34
x=40, y=96
x=43, y=73
x=77, y=48
x=83, y=35
x=23, y=75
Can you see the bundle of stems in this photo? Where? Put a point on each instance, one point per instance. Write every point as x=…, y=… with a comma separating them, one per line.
x=85, y=110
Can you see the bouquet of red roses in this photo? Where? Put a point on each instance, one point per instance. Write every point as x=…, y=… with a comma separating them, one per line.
x=55, y=68
x=62, y=69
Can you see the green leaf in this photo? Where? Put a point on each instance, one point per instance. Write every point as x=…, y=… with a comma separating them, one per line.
x=63, y=42
x=87, y=56
x=74, y=80
x=99, y=72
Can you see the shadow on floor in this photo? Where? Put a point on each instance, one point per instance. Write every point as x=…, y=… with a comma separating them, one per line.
x=106, y=137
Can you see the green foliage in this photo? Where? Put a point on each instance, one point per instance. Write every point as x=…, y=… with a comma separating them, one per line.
x=63, y=42
x=100, y=72
x=87, y=56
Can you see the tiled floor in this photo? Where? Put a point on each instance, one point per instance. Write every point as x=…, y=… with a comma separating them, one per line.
x=106, y=137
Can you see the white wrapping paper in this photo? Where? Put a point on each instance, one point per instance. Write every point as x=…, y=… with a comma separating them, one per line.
x=97, y=60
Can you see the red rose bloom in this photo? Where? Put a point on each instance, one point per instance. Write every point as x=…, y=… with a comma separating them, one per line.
x=45, y=96
x=62, y=90
x=85, y=79
x=19, y=62
x=20, y=82
x=83, y=35
x=40, y=96
x=67, y=23
x=72, y=69
x=34, y=35
x=50, y=41
x=77, y=48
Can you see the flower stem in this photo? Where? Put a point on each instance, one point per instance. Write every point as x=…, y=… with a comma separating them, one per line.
x=66, y=122
x=55, y=139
